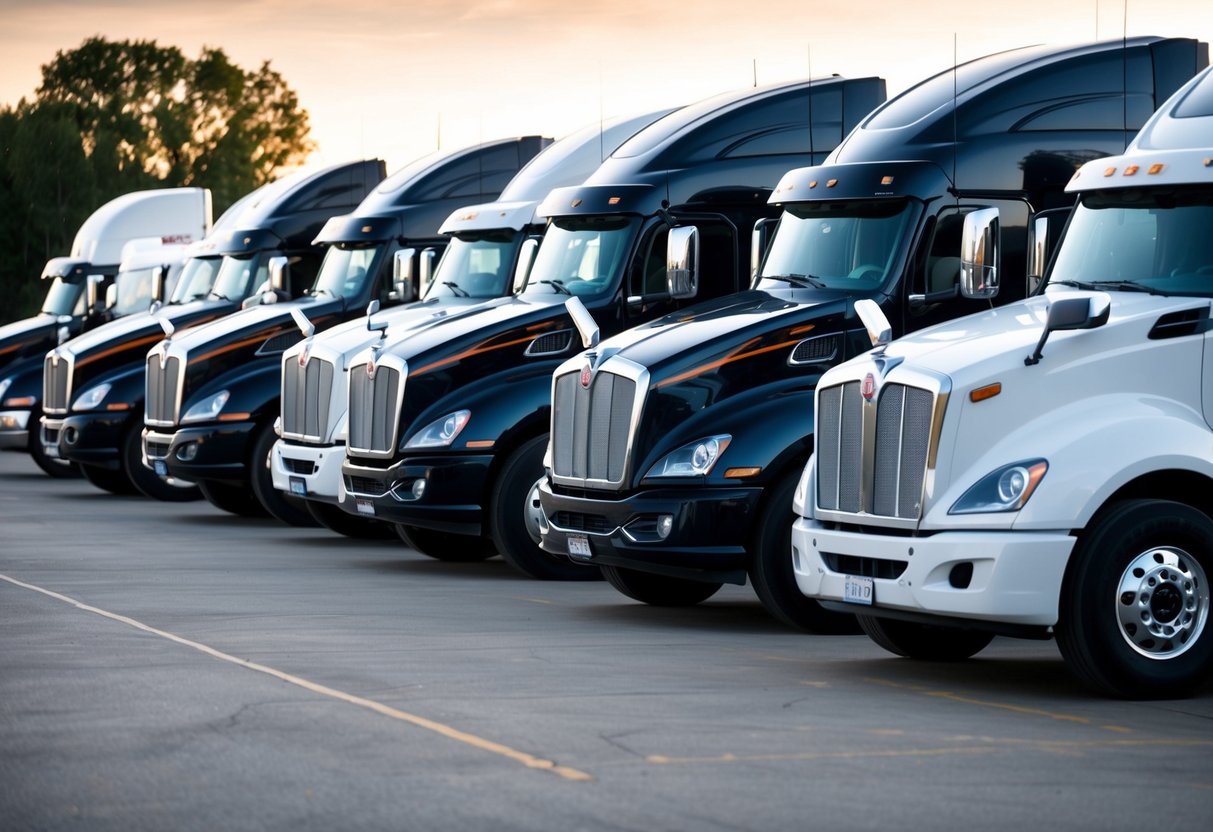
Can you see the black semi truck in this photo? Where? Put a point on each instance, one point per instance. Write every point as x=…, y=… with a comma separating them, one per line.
x=447, y=426
x=931, y=209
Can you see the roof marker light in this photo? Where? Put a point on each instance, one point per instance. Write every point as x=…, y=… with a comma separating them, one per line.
x=366, y=229
x=576, y=202
x=813, y=184
x=1131, y=169
x=831, y=183
x=1109, y=171
x=1156, y=168
x=886, y=180
x=613, y=200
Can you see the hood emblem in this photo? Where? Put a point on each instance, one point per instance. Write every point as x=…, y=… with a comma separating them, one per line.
x=587, y=372
x=303, y=356
x=868, y=389
x=370, y=367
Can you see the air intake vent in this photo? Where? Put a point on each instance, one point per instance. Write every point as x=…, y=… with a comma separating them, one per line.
x=553, y=343
x=280, y=342
x=819, y=350
x=1179, y=324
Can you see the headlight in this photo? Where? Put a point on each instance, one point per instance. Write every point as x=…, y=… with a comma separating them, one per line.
x=693, y=460
x=92, y=397
x=4, y=385
x=206, y=409
x=1005, y=489
x=440, y=432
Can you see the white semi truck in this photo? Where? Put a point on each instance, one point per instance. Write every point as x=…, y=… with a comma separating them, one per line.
x=1045, y=468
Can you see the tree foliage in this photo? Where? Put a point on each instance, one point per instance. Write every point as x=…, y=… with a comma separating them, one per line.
x=111, y=117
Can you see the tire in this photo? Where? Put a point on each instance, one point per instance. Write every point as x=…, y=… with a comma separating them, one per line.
x=513, y=519
x=290, y=510
x=771, y=570
x=659, y=590
x=924, y=641
x=343, y=523
x=115, y=482
x=445, y=546
x=143, y=478
x=231, y=498
x=1134, y=607
x=60, y=469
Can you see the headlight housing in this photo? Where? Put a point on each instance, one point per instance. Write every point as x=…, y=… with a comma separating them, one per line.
x=91, y=398
x=695, y=459
x=206, y=409
x=1005, y=489
x=440, y=432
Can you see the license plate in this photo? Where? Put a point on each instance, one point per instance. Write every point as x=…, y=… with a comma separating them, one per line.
x=579, y=546
x=159, y=467
x=857, y=590
x=298, y=486
x=364, y=506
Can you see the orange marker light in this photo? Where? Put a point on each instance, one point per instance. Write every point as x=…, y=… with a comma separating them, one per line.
x=813, y=184
x=886, y=180
x=613, y=201
x=831, y=183
x=988, y=392
x=1156, y=168
x=741, y=473
x=1131, y=169
x=1109, y=171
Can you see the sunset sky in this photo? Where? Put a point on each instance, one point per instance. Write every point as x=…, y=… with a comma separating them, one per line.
x=395, y=79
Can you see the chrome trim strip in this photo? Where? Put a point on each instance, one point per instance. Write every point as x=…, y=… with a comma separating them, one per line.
x=166, y=350
x=394, y=362
x=591, y=534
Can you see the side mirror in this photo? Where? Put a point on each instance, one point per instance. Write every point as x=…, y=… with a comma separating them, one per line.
x=159, y=283
x=425, y=267
x=587, y=327
x=1086, y=312
x=682, y=262
x=403, y=288
x=760, y=239
x=280, y=275
x=880, y=331
x=526, y=259
x=372, y=325
x=111, y=296
x=979, y=254
x=1044, y=229
x=93, y=294
x=305, y=326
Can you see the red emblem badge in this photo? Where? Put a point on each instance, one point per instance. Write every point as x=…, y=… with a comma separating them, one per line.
x=869, y=387
x=303, y=355
x=586, y=373
x=370, y=367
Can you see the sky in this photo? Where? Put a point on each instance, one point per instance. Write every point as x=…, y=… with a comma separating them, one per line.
x=400, y=80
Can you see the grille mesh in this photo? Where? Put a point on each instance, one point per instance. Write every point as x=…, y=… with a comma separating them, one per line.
x=306, y=393
x=591, y=428
x=372, y=413
x=56, y=384
x=160, y=399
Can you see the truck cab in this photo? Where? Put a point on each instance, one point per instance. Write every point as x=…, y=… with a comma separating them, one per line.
x=1044, y=469
x=721, y=420
x=447, y=426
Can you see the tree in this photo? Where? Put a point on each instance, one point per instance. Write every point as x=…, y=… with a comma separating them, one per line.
x=111, y=117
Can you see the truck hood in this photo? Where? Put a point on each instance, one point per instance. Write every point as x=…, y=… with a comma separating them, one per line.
x=25, y=337
x=262, y=321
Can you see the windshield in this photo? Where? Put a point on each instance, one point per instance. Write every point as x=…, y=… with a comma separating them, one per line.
x=134, y=291
x=345, y=270
x=1141, y=239
x=475, y=267
x=852, y=245
x=63, y=297
x=581, y=255
x=239, y=277
x=196, y=280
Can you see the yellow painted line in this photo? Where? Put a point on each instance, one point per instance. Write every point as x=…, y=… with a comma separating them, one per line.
x=1119, y=729
x=528, y=760
x=659, y=759
x=985, y=703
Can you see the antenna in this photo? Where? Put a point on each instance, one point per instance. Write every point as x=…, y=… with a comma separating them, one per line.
x=439, y=134
x=955, y=126
x=601, y=141
x=755, y=61
x=1124, y=72
x=809, y=58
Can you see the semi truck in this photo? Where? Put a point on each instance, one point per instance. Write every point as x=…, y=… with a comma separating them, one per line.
x=447, y=426
x=95, y=416
x=1051, y=459
x=77, y=300
x=489, y=251
x=695, y=490
x=213, y=391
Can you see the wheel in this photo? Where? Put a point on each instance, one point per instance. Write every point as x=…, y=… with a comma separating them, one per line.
x=924, y=641
x=289, y=510
x=515, y=514
x=341, y=522
x=231, y=498
x=659, y=590
x=771, y=568
x=144, y=479
x=60, y=469
x=445, y=546
x=115, y=482
x=1134, y=609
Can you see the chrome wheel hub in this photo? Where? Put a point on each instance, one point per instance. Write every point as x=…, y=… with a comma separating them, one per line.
x=1162, y=602
x=533, y=512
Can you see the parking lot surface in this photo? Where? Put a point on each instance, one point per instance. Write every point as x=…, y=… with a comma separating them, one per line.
x=172, y=667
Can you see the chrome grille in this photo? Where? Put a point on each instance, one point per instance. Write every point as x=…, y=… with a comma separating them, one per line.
x=887, y=481
x=56, y=382
x=591, y=427
x=374, y=405
x=163, y=389
x=306, y=394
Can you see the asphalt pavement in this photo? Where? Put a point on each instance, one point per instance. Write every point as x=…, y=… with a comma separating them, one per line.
x=172, y=667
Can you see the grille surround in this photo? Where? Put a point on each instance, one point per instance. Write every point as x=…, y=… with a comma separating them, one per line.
x=368, y=396
x=307, y=396
x=58, y=370
x=164, y=381
x=593, y=438
x=875, y=460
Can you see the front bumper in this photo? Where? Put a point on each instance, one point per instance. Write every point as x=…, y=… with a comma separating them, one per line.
x=14, y=429
x=712, y=528
x=310, y=471
x=206, y=452
x=1015, y=579
x=454, y=489
x=91, y=438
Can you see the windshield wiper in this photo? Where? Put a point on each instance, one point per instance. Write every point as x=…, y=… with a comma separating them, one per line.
x=1115, y=285
x=557, y=286
x=456, y=288
x=806, y=280
x=218, y=296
